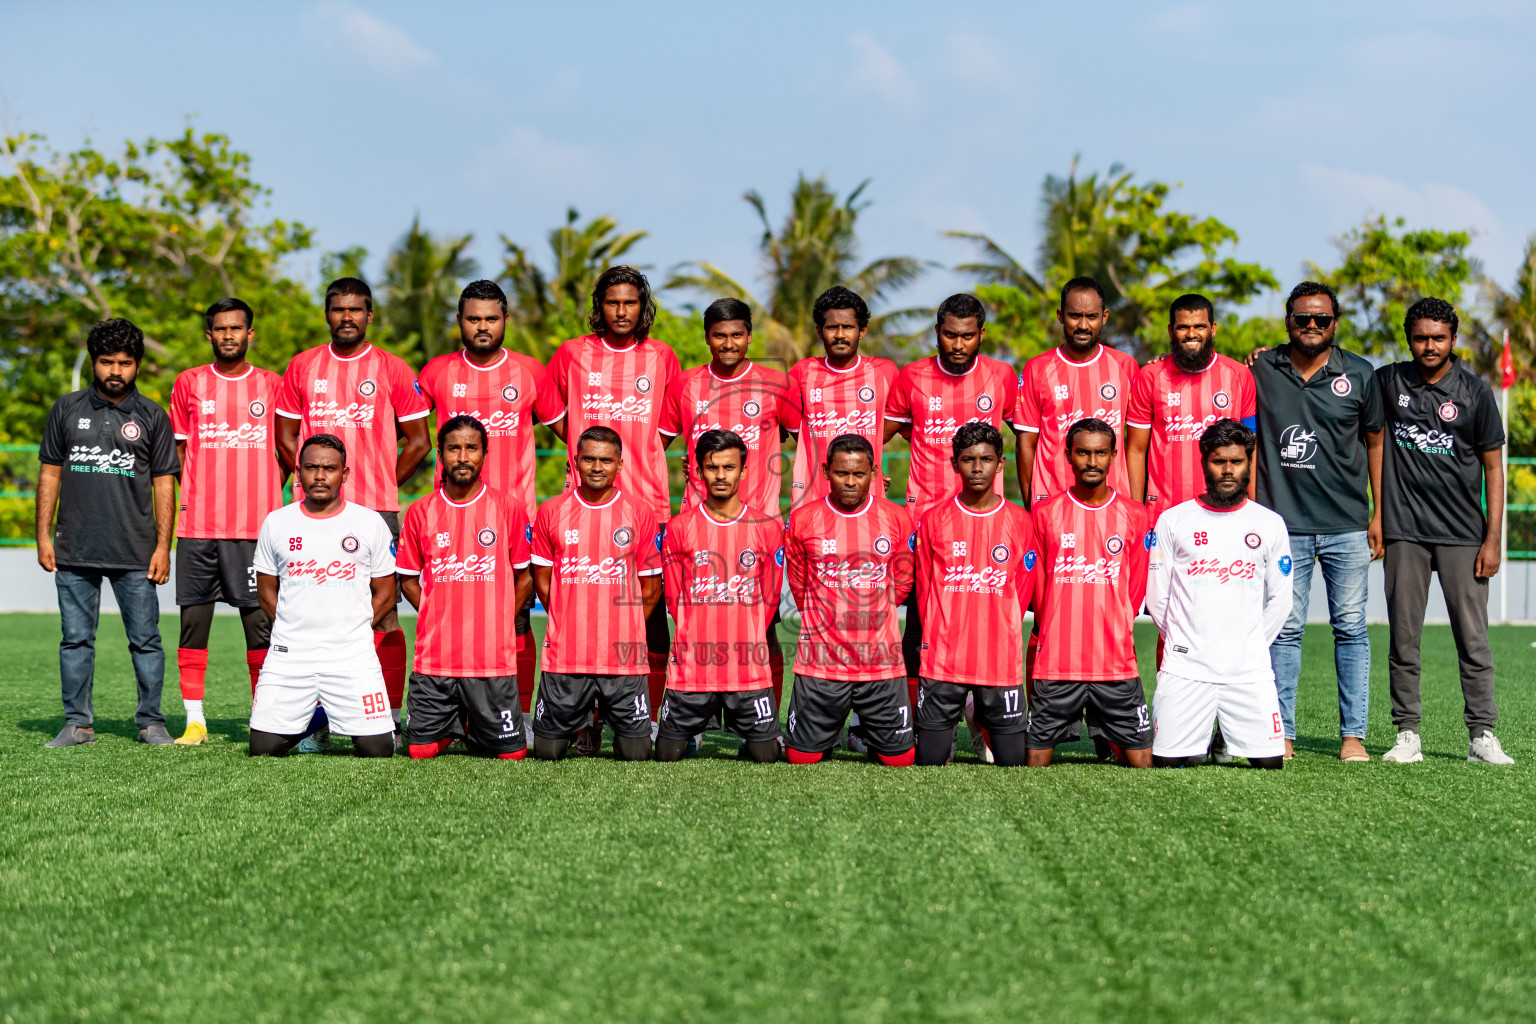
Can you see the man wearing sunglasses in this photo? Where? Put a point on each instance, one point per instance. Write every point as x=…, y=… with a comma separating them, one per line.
x=1320, y=449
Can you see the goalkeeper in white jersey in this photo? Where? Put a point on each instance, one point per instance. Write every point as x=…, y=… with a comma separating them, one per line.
x=1219, y=589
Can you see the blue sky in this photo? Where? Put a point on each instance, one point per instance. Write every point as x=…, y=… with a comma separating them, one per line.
x=1290, y=127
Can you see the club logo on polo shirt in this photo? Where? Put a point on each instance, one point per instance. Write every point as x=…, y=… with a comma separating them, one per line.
x=367, y=387
x=509, y=393
x=131, y=431
x=257, y=409
x=1221, y=400
x=643, y=384
x=349, y=544
x=751, y=408
x=747, y=558
x=486, y=536
x=882, y=545
x=1108, y=392
x=1342, y=386
x=1000, y=554
x=866, y=393
x=1253, y=540
x=1115, y=544
x=1298, y=446
x=984, y=402
x=622, y=536
x=1448, y=412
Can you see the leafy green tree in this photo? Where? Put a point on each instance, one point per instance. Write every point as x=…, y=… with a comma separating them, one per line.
x=815, y=248
x=154, y=234
x=422, y=280
x=1123, y=235
x=1515, y=311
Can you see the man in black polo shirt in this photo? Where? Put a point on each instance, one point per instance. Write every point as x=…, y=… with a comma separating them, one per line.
x=109, y=463
x=1445, y=441
x=1320, y=437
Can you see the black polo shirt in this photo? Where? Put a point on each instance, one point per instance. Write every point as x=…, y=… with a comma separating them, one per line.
x=1312, y=463
x=1432, y=470
x=109, y=455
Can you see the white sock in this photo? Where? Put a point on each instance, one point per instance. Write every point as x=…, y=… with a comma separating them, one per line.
x=395, y=714
x=194, y=712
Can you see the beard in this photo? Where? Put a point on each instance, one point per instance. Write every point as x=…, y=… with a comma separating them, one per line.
x=1310, y=350
x=1215, y=499
x=1193, y=362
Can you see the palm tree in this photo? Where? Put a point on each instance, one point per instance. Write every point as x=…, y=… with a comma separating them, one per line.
x=815, y=248
x=548, y=307
x=421, y=291
x=1514, y=310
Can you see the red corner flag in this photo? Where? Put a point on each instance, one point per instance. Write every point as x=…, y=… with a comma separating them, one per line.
x=1507, y=365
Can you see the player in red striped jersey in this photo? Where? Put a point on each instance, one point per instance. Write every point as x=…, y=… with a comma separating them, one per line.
x=754, y=401
x=1089, y=587
x=1173, y=400
x=975, y=554
x=508, y=392
x=221, y=416
x=850, y=567
x=597, y=568
x=842, y=392
x=368, y=398
x=724, y=561
x=615, y=377
x=462, y=563
x=931, y=400
x=1080, y=378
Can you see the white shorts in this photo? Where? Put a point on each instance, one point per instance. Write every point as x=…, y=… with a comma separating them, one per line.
x=1184, y=710
x=354, y=699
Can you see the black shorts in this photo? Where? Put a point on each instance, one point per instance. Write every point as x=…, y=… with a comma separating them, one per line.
x=819, y=707
x=749, y=714
x=564, y=705
x=209, y=570
x=484, y=711
x=392, y=520
x=1117, y=712
x=940, y=706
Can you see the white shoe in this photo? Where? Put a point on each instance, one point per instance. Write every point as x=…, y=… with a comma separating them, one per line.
x=1485, y=749
x=1408, y=748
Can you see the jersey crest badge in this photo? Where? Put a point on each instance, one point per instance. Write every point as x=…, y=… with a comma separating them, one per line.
x=349, y=544
x=1253, y=540
x=1000, y=554
x=1221, y=400
x=984, y=402
x=1342, y=386
x=622, y=536
x=1108, y=392
x=486, y=536
x=1029, y=560
x=643, y=384
x=1448, y=412
x=1115, y=544
x=257, y=409
x=778, y=557
x=510, y=393
x=882, y=545
x=751, y=408
x=131, y=431
x=366, y=388
x=747, y=558
x=1285, y=565
x=866, y=393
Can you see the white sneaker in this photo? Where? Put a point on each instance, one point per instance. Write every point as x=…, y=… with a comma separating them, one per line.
x=1407, y=749
x=1485, y=749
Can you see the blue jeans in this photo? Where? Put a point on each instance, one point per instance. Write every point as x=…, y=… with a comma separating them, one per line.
x=79, y=611
x=1346, y=562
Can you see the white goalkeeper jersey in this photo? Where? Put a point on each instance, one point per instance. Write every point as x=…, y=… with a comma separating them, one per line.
x=1219, y=589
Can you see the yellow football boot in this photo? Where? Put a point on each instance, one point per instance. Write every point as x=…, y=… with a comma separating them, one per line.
x=196, y=733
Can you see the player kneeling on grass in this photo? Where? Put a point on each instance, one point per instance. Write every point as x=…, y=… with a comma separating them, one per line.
x=325, y=573
x=975, y=554
x=597, y=569
x=1089, y=587
x=1219, y=590
x=723, y=568
x=850, y=567
x=462, y=563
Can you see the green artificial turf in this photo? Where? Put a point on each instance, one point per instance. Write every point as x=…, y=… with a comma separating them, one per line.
x=173, y=884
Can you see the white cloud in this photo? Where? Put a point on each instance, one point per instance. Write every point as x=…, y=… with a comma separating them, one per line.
x=876, y=73
x=348, y=31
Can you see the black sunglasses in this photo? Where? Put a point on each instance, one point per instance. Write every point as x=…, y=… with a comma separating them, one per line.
x=1322, y=320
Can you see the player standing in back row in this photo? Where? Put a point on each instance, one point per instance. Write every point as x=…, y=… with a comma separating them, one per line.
x=222, y=418
x=616, y=377
x=507, y=392
x=367, y=397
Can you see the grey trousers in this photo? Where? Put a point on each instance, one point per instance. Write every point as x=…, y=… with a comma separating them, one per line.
x=1408, y=566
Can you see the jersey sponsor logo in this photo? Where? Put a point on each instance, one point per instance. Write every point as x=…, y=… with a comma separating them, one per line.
x=605, y=406
x=1428, y=441
x=444, y=538
x=882, y=545
x=314, y=571
x=257, y=408
x=643, y=384
x=738, y=589
x=967, y=579
x=830, y=424
x=1030, y=558
x=1298, y=446
x=451, y=568
x=750, y=433
x=857, y=572
x=1239, y=569
x=1402, y=401
x=1253, y=540
x=1342, y=386
x=221, y=435
x=622, y=536
x=322, y=386
x=367, y=387
x=751, y=408
x=332, y=413
x=83, y=423
x=746, y=558
x=1448, y=412
x=984, y=402
x=606, y=572
x=1065, y=419
x=130, y=431
x=1285, y=565
x=1185, y=426
x=91, y=459
x=349, y=543
x=1114, y=544
x=510, y=393
x=1221, y=400
x=1078, y=569
x=486, y=537
x=1108, y=392
x=1000, y=554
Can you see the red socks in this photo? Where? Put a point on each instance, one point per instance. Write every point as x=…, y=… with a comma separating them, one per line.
x=194, y=671
x=902, y=760
x=391, y=649
x=657, y=682
x=794, y=756
x=525, y=661
x=513, y=755
x=424, y=750
x=253, y=661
